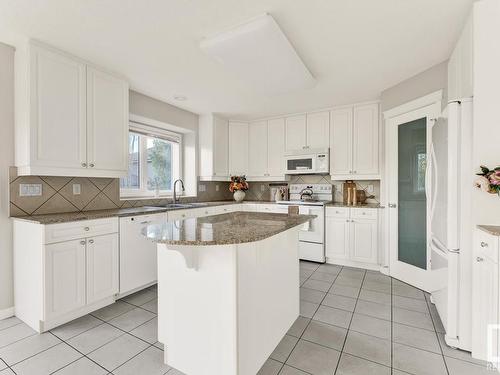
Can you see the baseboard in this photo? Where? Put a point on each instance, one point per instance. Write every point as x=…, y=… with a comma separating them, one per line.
x=7, y=313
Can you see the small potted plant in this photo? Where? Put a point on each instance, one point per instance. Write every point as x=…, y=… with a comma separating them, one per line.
x=238, y=186
x=489, y=180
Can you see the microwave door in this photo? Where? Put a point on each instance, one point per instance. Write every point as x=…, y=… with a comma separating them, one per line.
x=300, y=165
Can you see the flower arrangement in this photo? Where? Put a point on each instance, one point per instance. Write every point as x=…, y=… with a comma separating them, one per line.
x=489, y=180
x=238, y=183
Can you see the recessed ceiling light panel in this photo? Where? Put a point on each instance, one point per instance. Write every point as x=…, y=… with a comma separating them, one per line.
x=259, y=52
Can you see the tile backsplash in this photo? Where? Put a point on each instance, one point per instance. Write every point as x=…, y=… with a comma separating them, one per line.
x=104, y=193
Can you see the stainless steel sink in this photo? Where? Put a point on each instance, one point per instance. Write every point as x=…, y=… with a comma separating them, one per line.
x=180, y=205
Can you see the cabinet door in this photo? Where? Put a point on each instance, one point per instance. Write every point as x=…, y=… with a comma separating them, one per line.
x=341, y=142
x=58, y=116
x=220, y=147
x=64, y=277
x=238, y=148
x=365, y=140
x=276, y=147
x=107, y=122
x=102, y=267
x=295, y=132
x=363, y=241
x=318, y=130
x=337, y=238
x=257, y=149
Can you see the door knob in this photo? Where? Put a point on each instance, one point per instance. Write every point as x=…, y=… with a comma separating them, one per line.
x=484, y=244
x=479, y=259
x=84, y=165
x=91, y=242
x=82, y=243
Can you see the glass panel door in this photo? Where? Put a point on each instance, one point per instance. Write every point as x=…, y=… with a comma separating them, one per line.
x=412, y=202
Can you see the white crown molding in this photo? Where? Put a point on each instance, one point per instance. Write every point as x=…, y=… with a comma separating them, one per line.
x=413, y=105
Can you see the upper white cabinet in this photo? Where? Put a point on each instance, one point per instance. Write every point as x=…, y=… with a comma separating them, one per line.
x=214, y=148
x=354, y=143
x=71, y=118
x=238, y=148
x=460, y=65
x=266, y=147
x=309, y=131
x=318, y=130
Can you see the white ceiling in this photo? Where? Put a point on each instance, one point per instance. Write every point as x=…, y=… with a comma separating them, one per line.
x=354, y=48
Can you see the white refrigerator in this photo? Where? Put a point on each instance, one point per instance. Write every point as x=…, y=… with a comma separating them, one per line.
x=450, y=175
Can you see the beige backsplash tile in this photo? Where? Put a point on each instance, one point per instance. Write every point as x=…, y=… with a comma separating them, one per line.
x=55, y=204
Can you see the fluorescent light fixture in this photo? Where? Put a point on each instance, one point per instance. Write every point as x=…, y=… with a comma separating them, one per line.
x=260, y=53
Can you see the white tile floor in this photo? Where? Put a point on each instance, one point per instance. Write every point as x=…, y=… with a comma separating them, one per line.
x=353, y=322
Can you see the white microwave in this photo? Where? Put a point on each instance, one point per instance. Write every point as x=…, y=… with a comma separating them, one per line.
x=307, y=162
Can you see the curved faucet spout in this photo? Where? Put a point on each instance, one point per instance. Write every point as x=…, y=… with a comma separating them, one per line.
x=175, y=185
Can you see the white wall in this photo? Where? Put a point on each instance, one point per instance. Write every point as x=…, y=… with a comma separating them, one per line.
x=486, y=136
x=6, y=160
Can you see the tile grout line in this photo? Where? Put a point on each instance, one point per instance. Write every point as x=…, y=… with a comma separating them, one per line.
x=427, y=301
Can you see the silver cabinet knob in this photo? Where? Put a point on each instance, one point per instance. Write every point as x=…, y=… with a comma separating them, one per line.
x=91, y=165
x=479, y=259
x=86, y=229
x=484, y=244
x=393, y=205
x=84, y=165
x=82, y=242
x=91, y=241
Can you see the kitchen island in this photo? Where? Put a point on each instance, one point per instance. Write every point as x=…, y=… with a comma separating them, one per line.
x=228, y=289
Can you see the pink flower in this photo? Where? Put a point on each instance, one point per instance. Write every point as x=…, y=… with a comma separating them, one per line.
x=483, y=183
x=495, y=178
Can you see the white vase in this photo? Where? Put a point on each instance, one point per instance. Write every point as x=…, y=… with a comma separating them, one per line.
x=239, y=195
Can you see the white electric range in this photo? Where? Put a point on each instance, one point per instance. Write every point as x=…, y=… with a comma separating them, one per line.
x=311, y=199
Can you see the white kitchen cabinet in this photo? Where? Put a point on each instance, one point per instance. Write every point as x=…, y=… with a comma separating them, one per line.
x=71, y=117
x=64, y=271
x=354, y=140
x=214, y=148
x=107, y=112
x=257, y=149
x=318, y=130
x=295, y=132
x=485, y=293
x=102, y=267
x=352, y=236
x=276, y=148
x=460, y=65
x=238, y=148
x=64, y=278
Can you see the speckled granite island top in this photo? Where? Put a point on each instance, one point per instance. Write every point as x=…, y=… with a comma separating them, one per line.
x=224, y=229
x=491, y=229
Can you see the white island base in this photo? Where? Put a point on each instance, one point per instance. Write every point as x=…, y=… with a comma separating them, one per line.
x=222, y=309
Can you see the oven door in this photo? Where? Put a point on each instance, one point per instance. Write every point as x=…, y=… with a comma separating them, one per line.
x=300, y=164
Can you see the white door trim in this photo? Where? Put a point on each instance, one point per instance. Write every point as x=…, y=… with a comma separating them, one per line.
x=7, y=313
x=413, y=105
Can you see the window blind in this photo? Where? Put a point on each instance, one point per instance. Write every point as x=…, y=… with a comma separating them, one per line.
x=155, y=132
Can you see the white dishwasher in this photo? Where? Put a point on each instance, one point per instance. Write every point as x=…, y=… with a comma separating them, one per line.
x=137, y=254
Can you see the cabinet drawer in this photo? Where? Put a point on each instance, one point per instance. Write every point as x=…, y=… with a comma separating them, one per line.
x=364, y=213
x=341, y=212
x=487, y=245
x=80, y=229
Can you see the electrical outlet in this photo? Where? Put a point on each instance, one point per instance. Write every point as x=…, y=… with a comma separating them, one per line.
x=262, y=187
x=216, y=187
x=370, y=189
x=30, y=190
x=77, y=189
x=202, y=187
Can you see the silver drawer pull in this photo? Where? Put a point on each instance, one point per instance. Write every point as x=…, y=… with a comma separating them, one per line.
x=479, y=259
x=484, y=244
x=86, y=229
x=91, y=241
x=145, y=222
x=82, y=243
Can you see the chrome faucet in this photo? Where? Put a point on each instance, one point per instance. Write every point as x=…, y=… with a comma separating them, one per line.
x=182, y=186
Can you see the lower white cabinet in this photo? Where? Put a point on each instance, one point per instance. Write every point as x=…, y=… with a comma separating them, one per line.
x=64, y=271
x=485, y=295
x=352, y=236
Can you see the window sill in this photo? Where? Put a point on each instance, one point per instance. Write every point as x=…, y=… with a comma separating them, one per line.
x=143, y=198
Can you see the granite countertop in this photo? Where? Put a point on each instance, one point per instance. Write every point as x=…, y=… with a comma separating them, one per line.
x=121, y=212
x=366, y=205
x=224, y=229
x=491, y=229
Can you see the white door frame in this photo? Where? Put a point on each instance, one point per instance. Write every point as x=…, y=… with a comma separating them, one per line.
x=430, y=108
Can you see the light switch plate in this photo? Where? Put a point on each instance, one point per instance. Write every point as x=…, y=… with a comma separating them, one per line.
x=216, y=187
x=77, y=189
x=262, y=187
x=202, y=187
x=30, y=190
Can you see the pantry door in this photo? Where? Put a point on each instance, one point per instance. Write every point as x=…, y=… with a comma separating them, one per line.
x=408, y=146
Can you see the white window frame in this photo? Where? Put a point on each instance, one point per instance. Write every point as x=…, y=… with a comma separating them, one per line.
x=154, y=129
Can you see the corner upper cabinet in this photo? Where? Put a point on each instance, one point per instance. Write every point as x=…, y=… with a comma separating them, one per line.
x=238, y=148
x=257, y=149
x=276, y=149
x=71, y=117
x=354, y=140
x=214, y=148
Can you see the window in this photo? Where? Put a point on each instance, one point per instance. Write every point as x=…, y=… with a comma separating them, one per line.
x=154, y=162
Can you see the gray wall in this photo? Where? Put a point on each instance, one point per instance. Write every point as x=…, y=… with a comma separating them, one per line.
x=6, y=160
x=430, y=80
